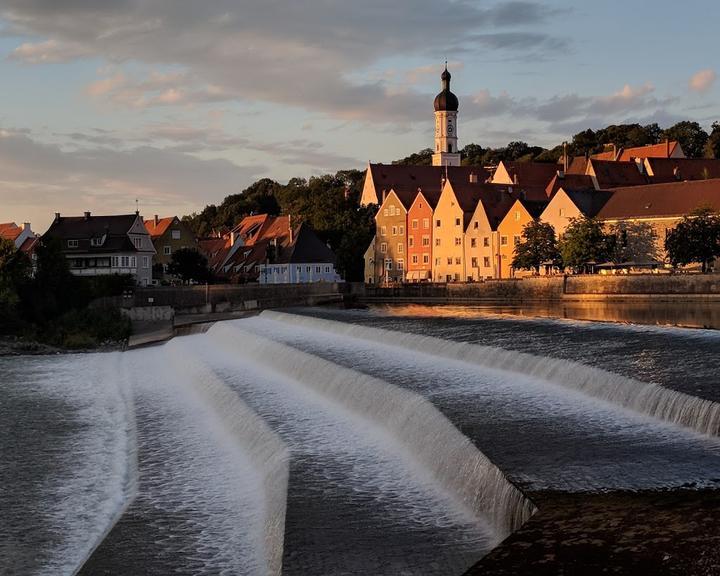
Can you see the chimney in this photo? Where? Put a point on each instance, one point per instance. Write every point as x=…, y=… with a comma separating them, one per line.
x=57, y=216
x=157, y=220
x=384, y=196
x=290, y=228
x=473, y=178
x=87, y=215
x=26, y=226
x=561, y=174
x=515, y=180
x=232, y=238
x=676, y=173
x=565, y=157
x=667, y=147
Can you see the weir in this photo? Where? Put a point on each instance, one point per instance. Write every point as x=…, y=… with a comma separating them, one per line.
x=653, y=400
x=451, y=458
x=259, y=443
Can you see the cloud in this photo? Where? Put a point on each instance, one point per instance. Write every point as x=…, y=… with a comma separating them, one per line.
x=49, y=52
x=703, y=80
x=304, y=54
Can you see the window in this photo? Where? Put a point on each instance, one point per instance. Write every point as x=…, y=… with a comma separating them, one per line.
x=383, y=231
x=327, y=269
x=426, y=222
x=298, y=270
x=401, y=231
x=96, y=241
x=449, y=261
x=457, y=221
x=437, y=261
x=503, y=240
x=458, y=261
x=411, y=242
x=383, y=247
x=414, y=259
x=401, y=248
x=486, y=262
x=426, y=259
x=486, y=241
x=72, y=243
x=414, y=224
x=458, y=241
x=115, y=261
x=167, y=250
x=561, y=212
x=394, y=230
x=516, y=240
x=388, y=263
x=175, y=234
x=476, y=225
x=437, y=241
x=124, y=261
x=133, y=262
x=318, y=269
x=146, y=262
x=392, y=210
x=138, y=242
x=401, y=264
x=473, y=262
x=308, y=269
x=517, y=215
x=437, y=223
x=473, y=242
x=419, y=204
x=385, y=212
x=426, y=240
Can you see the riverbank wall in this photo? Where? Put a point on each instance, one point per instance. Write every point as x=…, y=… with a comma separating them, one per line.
x=653, y=287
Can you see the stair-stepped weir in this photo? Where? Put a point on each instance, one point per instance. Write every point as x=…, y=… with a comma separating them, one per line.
x=259, y=443
x=452, y=459
x=653, y=400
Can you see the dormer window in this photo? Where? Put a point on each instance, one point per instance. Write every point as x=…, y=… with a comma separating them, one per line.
x=138, y=242
x=96, y=241
x=72, y=243
x=175, y=234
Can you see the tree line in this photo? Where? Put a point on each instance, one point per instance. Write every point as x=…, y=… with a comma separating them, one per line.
x=587, y=243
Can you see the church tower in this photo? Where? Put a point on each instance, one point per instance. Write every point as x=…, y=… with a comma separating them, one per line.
x=446, y=109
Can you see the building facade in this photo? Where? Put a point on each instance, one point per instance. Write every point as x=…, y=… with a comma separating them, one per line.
x=391, y=239
x=168, y=235
x=419, y=237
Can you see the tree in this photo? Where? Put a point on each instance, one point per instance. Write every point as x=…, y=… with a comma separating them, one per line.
x=635, y=242
x=14, y=273
x=422, y=158
x=696, y=238
x=189, y=265
x=585, y=243
x=712, y=148
x=691, y=137
x=537, y=247
x=472, y=155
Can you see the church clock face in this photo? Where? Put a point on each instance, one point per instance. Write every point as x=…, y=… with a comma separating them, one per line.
x=450, y=128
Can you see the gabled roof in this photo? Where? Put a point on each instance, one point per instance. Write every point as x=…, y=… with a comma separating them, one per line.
x=578, y=165
x=530, y=174
x=306, y=248
x=607, y=155
x=431, y=197
x=673, y=199
x=406, y=180
x=679, y=169
x=615, y=174
x=588, y=200
x=114, y=228
x=568, y=181
x=249, y=227
x=157, y=230
x=662, y=150
x=10, y=231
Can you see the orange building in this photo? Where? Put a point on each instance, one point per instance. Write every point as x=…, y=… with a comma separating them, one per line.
x=419, y=236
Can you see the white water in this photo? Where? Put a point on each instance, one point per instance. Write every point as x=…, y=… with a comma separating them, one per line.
x=52, y=524
x=451, y=458
x=646, y=398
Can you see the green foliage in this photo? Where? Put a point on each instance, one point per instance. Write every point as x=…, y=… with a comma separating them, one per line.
x=635, y=242
x=537, y=247
x=691, y=137
x=585, y=243
x=422, y=158
x=712, y=148
x=189, y=265
x=85, y=328
x=14, y=274
x=696, y=239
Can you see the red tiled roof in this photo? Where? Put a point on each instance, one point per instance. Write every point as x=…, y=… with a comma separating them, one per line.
x=608, y=155
x=616, y=174
x=535, y=174
x=662, y=150
x=157, y=230
x=10, y=231
x=29, y=245
x=672, y=199
x=678, y=169
x=571, y=181
x=578, y=165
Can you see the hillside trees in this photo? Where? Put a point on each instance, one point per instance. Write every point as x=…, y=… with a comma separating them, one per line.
x=691, y=137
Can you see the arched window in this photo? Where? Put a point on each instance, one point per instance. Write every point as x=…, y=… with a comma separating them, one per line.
x=449, y=147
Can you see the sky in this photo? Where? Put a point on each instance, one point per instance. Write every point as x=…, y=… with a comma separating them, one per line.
x=177, y=103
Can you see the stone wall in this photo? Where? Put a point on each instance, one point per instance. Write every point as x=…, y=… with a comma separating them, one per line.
x=644, y=284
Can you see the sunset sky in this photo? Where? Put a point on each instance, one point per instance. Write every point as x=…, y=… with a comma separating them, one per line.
x=178, y=102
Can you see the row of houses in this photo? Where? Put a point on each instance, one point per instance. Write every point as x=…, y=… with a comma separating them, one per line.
x=462, y=223
x=262, y=248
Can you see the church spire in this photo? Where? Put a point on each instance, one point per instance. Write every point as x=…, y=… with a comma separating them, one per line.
x=446, y=108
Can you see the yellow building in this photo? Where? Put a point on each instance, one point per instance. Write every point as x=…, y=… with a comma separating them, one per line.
x=481, y=237
x=567, y=204
x=509, y=232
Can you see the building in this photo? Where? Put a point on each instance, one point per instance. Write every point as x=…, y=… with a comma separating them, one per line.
x=667, y=149
x=390, y=237
x=446, y=137
x=300, y=259
x=679, y=169
x=607, y=174
x=419, y=236
x=103, y=245
x=568, y=203
x=521, y=213
x=533, y=177
x=653, y=210
x=168, y=235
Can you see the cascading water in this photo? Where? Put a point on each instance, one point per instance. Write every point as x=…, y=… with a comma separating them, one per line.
x=651, y=399
x=431, y=438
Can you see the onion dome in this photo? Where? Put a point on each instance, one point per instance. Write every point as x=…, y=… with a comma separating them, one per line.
x=446, y=101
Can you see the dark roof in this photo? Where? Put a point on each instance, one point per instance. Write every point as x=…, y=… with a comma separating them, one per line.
x=446, y=100
x=534, y=207
x=84, y=228
x=589, y=201
x=612, y=174
x=568, y=181
x=531, y=174
x=306, y=248
x=673, y=199
x=678, y=169
x=406, y=180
